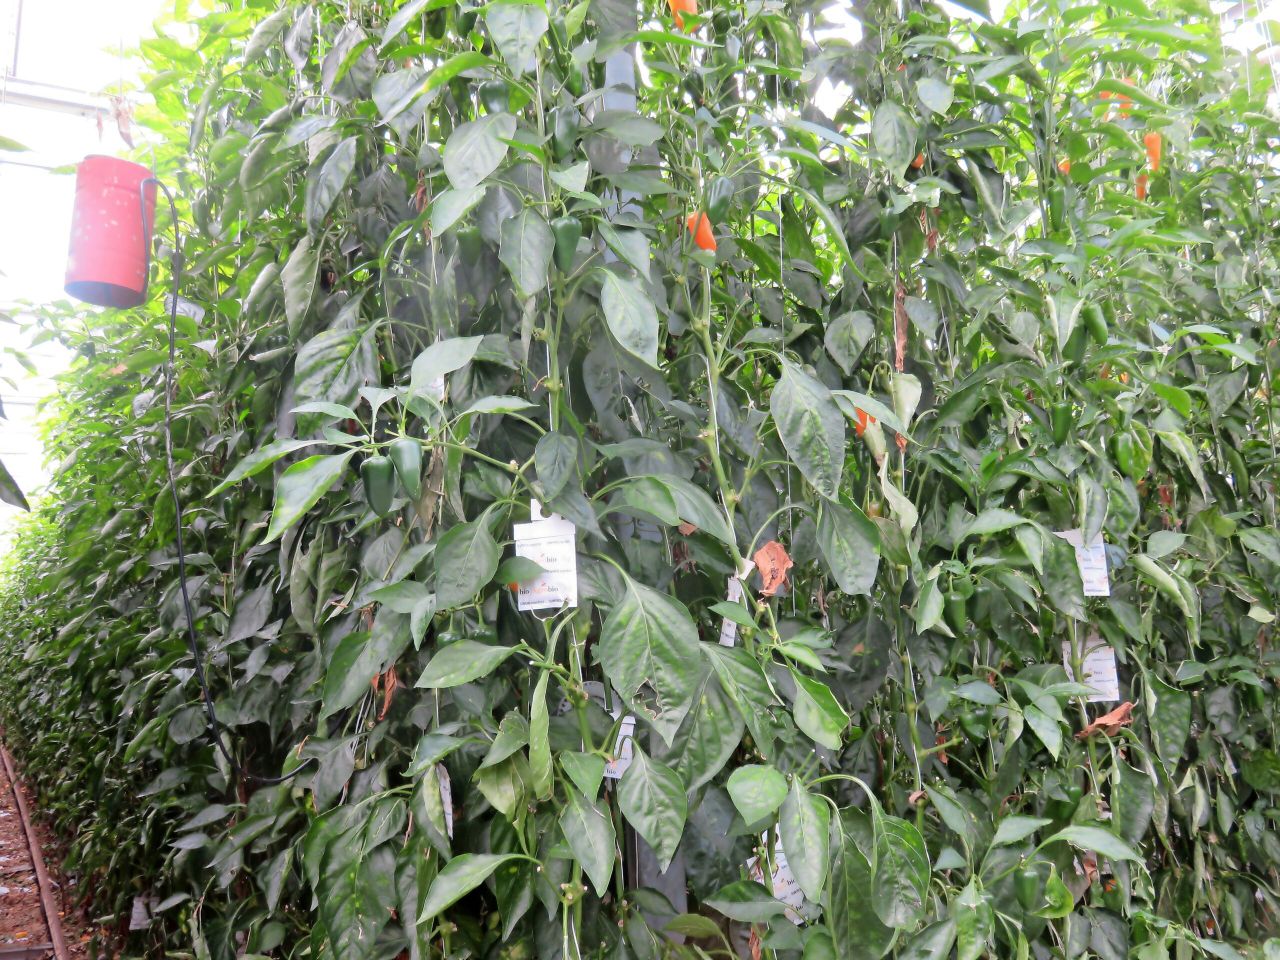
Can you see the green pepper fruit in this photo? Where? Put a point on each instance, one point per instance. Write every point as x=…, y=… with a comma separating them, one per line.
x=719, y=199
x=470, y=244
x=1057, y=206
x=564, y=131
x=1096, y=322
x=1123, y=449
x=567, y=232
x=379, y=477
x=1075, y=345
x=406, y=454
x=1026, y=885
x=956, y=612
x=495, y=96
x=976, y=722
x=1061, y=418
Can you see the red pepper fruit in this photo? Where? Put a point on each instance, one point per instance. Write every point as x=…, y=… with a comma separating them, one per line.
x=680, y=7
x=699, y=225
x=1155, y=148
x=864, y=420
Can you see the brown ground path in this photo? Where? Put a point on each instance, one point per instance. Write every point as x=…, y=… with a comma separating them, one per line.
x=22, y=919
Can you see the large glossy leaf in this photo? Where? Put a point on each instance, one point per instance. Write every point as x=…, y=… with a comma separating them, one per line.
x=459, y=877
x=804, y=823
x=475, y=149
x=326, y=181
x=757, y=791
x=850, y=545
x=301, y=487
x=652, y=797
x=588, y=830
x=526, y=248
x=462, y=662
x=810, y=426
x=299, y=277
x=630, y=314
x=855, y=928
x=332, y=367
x=516, y=28
x=466, y=559
x=649, y=640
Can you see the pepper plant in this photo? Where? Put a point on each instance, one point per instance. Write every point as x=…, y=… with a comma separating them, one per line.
x=818, y=324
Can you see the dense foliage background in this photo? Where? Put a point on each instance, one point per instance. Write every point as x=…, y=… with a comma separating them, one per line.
x=973, y=283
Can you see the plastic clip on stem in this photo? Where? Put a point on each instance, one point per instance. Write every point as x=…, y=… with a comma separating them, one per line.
x=215, y=728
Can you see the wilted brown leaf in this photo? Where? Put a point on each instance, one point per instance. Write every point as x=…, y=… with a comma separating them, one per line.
x=773, y=562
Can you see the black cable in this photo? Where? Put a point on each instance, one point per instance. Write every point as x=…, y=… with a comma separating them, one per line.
x=215, y=728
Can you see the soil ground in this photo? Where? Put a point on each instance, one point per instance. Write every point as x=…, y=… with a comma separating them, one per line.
x=22, y=921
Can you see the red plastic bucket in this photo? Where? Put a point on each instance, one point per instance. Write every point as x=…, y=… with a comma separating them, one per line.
x=110, y=240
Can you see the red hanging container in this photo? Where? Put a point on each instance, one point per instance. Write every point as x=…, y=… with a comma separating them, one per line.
x=110, y=232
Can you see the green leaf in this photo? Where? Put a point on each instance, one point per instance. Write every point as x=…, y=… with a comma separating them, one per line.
x=404, y=16
x=975, y=922
x=461, y=662
x=299, y=276
x=516, y=29
x=747, y=902
x=630, y=315
x=746, y=685
x=326, y=181
x=441, y=358
x=452, y=205
x=1169, y=713
x=301, y=487
x=1096, y=839
x=811, y=428
x=1014, y=828
x=900, y=874
x=589, y=832
x=805, y=827
x=266, y=33
x=649, y=638
x=652, y=798
x=935, y=94
x=10, y=492
x=459, y=877
x=332, y=367
x=540, y=768
x=586, y=770
x=757, y=791
x=893, y=137
x=466, y=559
x=476, y=149
x=556, y=458
x=526, y=249
x=850, y=545
x=817, y=712
x=855, y=928
x=932, y=943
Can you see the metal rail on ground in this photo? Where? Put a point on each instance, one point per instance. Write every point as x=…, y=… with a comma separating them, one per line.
x=47, y=901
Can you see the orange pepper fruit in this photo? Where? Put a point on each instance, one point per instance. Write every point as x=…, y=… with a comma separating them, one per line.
x=918, y=162
x=1064, y=165
x=864, y=420
x=699, y=225
x=1155, y=150
x=680, y=7
x=1141, y=186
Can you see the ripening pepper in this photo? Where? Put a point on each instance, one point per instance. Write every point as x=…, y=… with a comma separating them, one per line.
x=719, y=198
x=1064, y=165
x=1096, y=322
x=1140, y=188
x=494, y=96
x=1026, y=885
x=406, y=454
x=379, y=477
x=1155, y=150
x=567, y=231
x=699, y=226
x=864, y=419
x=564, y=130
x=679, y=8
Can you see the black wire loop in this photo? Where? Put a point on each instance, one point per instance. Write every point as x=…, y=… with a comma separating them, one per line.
x=215, y=728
